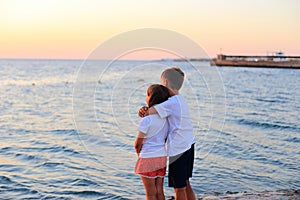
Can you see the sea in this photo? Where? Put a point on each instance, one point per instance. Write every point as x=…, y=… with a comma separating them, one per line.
x=67, y=128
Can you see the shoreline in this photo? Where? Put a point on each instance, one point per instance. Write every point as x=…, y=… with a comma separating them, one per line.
x=263, y=195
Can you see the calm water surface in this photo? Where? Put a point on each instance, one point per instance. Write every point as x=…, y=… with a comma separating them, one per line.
x=67, y=128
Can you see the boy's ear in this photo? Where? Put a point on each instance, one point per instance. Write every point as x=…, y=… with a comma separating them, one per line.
x=163, y=81
x=167, y=83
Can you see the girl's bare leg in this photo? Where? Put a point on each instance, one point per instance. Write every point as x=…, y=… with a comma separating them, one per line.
x=149, y=184
x=160, y=188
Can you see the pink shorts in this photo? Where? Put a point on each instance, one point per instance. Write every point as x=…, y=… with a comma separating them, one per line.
x=151, y=167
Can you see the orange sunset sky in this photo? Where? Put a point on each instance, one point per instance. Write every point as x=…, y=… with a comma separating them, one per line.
x=71, y=29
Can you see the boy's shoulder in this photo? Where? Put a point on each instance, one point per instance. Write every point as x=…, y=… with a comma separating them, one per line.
x=179, y=101
x=171, y=100
x=177, y=98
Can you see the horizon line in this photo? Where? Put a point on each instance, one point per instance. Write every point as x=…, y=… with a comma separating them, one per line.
x=83, y=59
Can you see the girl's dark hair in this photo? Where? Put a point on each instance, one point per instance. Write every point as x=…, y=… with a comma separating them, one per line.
x=158, y=94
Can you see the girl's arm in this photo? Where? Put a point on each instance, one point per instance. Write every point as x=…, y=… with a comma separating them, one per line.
x=138, y=143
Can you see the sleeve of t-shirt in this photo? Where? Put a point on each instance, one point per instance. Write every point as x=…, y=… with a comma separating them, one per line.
x=144, y=125
x=164, y=109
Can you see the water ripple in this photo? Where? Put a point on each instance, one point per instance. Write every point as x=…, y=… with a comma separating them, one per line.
x=266, y=125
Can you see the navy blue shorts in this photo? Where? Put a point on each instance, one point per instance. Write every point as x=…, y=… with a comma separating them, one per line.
x=181, y=168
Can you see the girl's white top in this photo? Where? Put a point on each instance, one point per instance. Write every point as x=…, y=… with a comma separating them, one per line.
x=156, y=130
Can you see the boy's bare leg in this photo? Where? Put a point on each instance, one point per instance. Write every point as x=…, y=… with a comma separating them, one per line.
x=149, y=184
x=180, y=193
x=185, y=193
x=160, y=188
x=190, y=195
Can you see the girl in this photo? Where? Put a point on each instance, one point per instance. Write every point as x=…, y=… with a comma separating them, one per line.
x=150, y=145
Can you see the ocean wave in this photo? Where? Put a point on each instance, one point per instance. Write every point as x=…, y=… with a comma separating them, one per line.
x=84, y=193
x=27, y=157
x=293, y=139
x=264, y=195
x=52, y=149
x=277, y=100
x=64, y=131
x=15, y=190
x=6, y=149
x=63, y=149
x=83, y=182
x=5, y=180
x=266, y=125
x=51, y=164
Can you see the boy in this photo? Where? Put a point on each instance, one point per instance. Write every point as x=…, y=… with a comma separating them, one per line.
x=180, y=139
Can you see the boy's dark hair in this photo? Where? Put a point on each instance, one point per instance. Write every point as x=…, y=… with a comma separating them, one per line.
x=174, y=76
x=158, y=94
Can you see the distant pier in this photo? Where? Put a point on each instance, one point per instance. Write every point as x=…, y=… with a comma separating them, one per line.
x=279, y=60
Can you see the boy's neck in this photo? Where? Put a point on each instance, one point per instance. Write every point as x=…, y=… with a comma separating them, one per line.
x=173, y=92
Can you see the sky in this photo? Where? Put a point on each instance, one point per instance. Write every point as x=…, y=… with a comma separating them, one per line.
x=72, y=29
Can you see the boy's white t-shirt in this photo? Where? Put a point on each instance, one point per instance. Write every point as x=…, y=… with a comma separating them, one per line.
x=180, y=137
x=156, y=130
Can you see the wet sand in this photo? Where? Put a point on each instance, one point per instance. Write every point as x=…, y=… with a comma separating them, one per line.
x=264, y=195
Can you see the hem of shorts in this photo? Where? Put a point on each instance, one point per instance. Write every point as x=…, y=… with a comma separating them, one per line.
x=152, y=176
x=172, y=186
x=176, y=187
